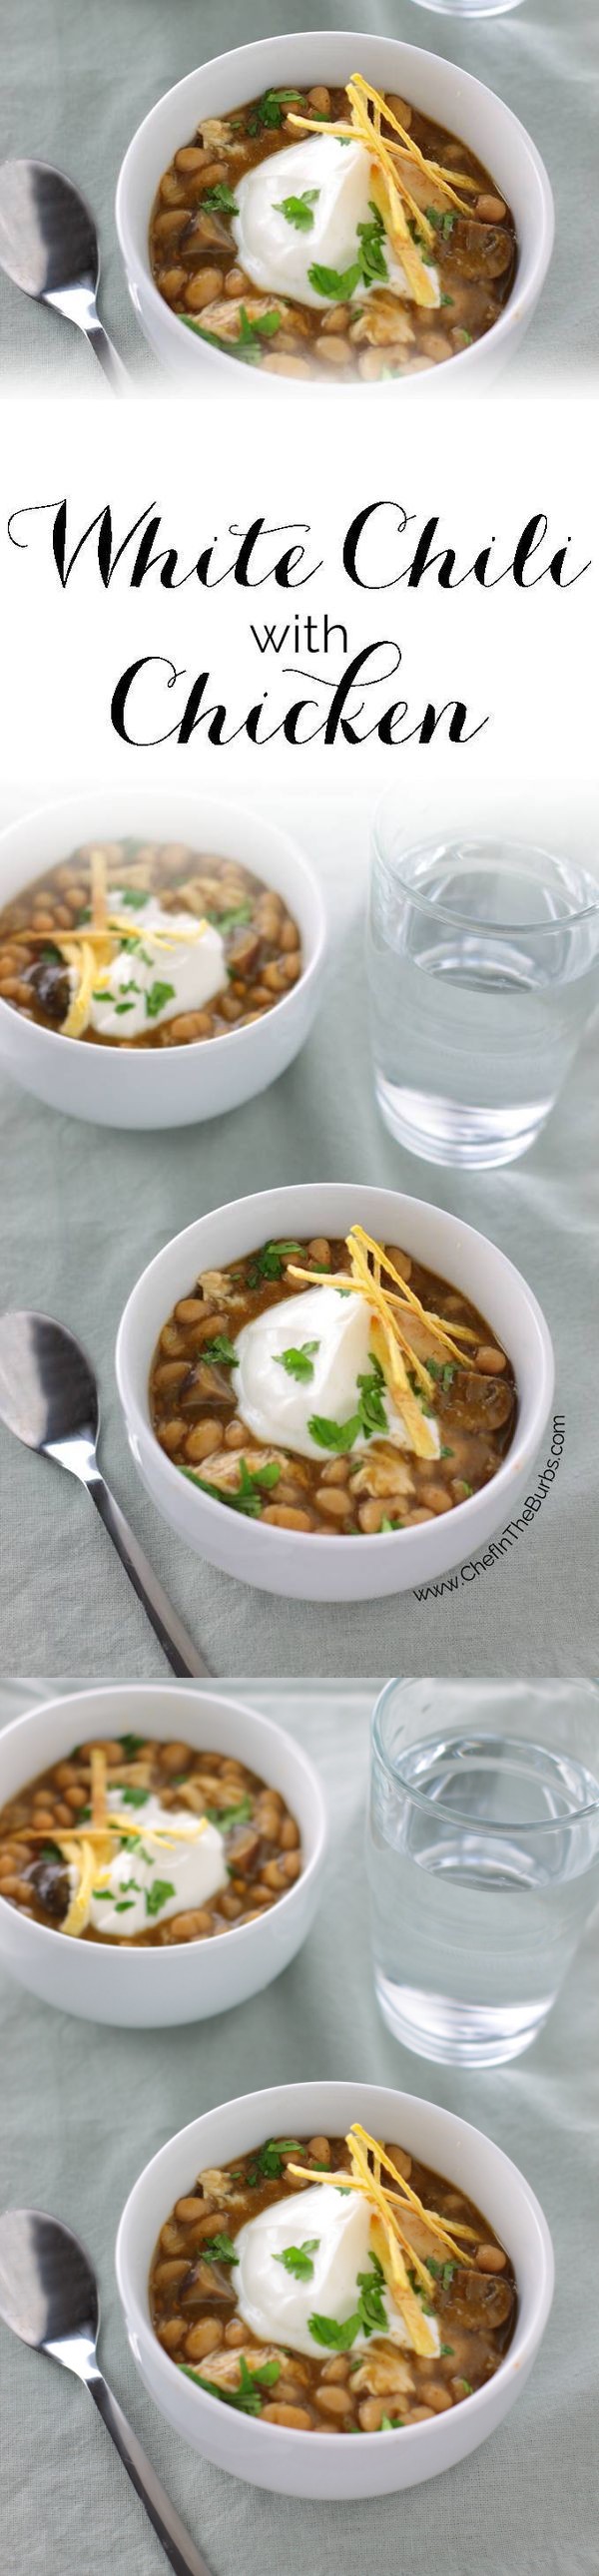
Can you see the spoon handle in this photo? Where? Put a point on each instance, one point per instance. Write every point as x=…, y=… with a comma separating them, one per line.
x=184, y=1658
x=107, y=357
x=181, y=2552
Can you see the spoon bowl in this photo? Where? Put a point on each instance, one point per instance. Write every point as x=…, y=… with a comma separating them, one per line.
x=49, y=248
x=48, y=1392
x=49, y=1400
x=48, y=2290
x=49, y=2298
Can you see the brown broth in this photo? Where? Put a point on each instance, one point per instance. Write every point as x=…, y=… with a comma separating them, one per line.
x=262, y=945
x=262, y=1847
x=195, y=266
x=194, y=1415
x=195, y=2315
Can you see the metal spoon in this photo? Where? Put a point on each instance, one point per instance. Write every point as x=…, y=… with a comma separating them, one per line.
x=49, y=247
x=49, y=2296
x=49, y=1398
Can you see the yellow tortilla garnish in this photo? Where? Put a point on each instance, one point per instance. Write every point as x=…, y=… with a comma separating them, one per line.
x=86, y=1861
x=391, y=1345
x=85, y=965
x=390, y=191
x=390, y=2240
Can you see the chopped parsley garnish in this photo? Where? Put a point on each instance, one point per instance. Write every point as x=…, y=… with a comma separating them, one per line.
x=387, y=1524
x=369, y=266
x=268, y=111
x=369, y=2317
x=445, y=2350
x=220, y=199
x=391, y=2423
x=102, y=1895
x=237, y=919
x=270, y=1262
x=447, y=299
x=124, y=1905
x=247, y=1497
x=227, y=1817
x=247, y=2396
x=135, y=896
x=442, y=2272
x=441, y=223
x=222, y=1350
x=50, y=1851
x=248, y=346
x=269, y=2165
x=50, y=954
x=369, y=1418
x=219, y=2249
x=337, y=284
x=446, y=1453
x=157, y=998
x=131, y=1744
x=444, y=1372
x=132, y=1797
x=297, y=210
x=299, y=1363
x=158, y=1895
x=298, y=2258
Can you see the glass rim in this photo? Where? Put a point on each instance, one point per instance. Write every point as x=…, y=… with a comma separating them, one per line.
x=466, y=920
x=455, y=1815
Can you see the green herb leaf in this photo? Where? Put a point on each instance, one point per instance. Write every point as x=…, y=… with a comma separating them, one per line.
x=337, y=1436
x=121, y=1007
x=299, y=1363
x=391, y=2423
x=298, y=210
x=131, y=1744
x=442, y=2272
x=236, y=920
x=247, y=1497
x=370, y=2315
x=268, y=111
x=219, y=199
x=441, y=223
x=335, y=283
x=51, y=1851
x=387, y=1524
x=334, y=2336
x=131, y=1797
x=298, y=2258
x=247, y=2396
x=227, y=1817
x=219, y=2249
x=444, y=1371
x=157, y=998
x=221, y=1350
x=269, y=2165
x=445, y=2349
x=135, y=897
x=125, y=1904
x=270, y=1262
x=158, y=1895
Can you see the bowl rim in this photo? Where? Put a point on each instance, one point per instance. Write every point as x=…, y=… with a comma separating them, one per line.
x=237, y=1932
x=463, y=1514
x=521, y=300
x=527, y=2333
x=311, y=966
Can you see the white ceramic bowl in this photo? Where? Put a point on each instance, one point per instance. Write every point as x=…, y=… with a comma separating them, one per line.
x=166, y=1086
x=303, y=1564
x=459, y=102
x=297, y=2463
x=152, y=1989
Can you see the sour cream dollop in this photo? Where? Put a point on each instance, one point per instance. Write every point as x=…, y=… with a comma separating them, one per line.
x=194, y=1870
x=275, y=2304
x=278, y=1406
x=147, y=982
x=277, y=255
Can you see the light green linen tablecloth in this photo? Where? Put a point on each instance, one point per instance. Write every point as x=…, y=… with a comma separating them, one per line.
x=85, y=1208
x=77, y=80
x=84, y=2108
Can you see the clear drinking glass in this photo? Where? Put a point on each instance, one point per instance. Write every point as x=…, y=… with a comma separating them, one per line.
x=470, y=8
x=482, y=1858
x=483, y=967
